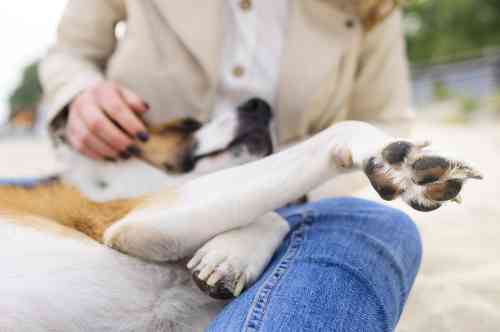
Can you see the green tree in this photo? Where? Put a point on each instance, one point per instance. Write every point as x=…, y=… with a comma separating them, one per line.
x=444, y=30
x=28, y=93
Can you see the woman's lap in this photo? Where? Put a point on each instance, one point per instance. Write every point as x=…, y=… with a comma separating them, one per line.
x=347, y=265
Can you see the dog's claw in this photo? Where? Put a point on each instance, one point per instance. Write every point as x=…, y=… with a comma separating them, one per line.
x=476, y=175
x=240, y=286
x=195, y=260
x=204, y=273
x=423, y=144
x=214, y=278
x=457, y=199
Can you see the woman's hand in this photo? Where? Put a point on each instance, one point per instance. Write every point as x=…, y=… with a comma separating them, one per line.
x=103, y=122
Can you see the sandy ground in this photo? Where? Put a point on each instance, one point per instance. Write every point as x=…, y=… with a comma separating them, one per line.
x=458, y=289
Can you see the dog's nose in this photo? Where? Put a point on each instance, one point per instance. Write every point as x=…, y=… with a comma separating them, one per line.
x=188, y=164
x=257, y=110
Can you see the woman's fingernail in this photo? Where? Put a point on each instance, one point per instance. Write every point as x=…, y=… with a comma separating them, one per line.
x=125, y=155
x=134, y=150
x=148, y=107
x=143, y=136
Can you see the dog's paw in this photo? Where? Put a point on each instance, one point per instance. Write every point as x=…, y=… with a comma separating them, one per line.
x=422, y=178
x=232, y=261
x=219, y=276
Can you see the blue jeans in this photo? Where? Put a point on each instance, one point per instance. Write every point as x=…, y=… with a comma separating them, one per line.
x=27, y=182
x=347, y=265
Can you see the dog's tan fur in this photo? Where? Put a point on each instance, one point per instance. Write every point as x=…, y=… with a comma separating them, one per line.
x=369, y=12
x=65, y=205
x=168, y=144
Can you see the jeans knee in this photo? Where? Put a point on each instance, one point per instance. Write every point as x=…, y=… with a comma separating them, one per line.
x=394, y=228
x=409, y=240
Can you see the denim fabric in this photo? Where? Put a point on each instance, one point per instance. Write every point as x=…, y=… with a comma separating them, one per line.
x=347, y=265
x=27, y=182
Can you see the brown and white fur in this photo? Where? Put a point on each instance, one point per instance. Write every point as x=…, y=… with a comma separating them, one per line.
x=57, y=275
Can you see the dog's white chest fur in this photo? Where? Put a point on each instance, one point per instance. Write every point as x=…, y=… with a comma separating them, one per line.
x=103, y=181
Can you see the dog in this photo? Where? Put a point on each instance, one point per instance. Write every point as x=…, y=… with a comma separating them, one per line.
x=231, y=138
x=64, y=267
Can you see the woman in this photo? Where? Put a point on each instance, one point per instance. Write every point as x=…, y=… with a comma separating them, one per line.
x=348, y=264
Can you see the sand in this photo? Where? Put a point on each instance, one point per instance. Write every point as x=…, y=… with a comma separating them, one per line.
x=458, y=288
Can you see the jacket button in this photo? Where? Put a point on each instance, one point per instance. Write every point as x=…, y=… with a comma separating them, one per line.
x=101, y=184
x=238, y=71
x=349, y=23
x=246, y=4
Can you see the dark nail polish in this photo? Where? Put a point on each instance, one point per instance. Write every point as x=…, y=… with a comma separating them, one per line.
x=134, y=150
x=125, y=155
x=109, y=159
x=148, y=107
x=143, y=136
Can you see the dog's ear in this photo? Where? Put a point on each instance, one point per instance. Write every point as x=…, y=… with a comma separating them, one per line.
x=189, y=125
x=182, y=125
x=170, y=145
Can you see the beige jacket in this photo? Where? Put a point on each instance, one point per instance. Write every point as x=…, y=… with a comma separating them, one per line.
x=333, y=68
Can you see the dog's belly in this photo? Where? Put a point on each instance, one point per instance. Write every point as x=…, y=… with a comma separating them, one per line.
x=54, y=281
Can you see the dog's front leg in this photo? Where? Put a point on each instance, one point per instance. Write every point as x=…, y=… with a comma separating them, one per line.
x=230, y=262
x=174, y=224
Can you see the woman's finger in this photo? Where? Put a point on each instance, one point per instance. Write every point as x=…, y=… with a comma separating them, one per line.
x=97, y=123
x=91, y=141
x=134, y=101
x=79, y=145
x=110, y=100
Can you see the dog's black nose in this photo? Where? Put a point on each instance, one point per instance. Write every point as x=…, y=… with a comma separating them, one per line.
x=188, y=164
x=256, y=109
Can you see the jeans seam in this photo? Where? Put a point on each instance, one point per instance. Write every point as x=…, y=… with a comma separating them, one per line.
x=258, y=310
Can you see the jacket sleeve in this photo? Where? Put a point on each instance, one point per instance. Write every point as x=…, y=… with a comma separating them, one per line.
x=381, y=89
x=85, y=41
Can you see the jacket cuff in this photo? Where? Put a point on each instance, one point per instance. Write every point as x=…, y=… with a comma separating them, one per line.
x=58, y=104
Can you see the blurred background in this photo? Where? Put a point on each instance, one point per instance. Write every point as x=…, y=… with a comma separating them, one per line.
x=453, y=46
x=454, y=49
x=26, y=29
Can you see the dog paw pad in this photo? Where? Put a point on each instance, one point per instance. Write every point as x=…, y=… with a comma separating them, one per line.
x=424, y=179
x=395, y=153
